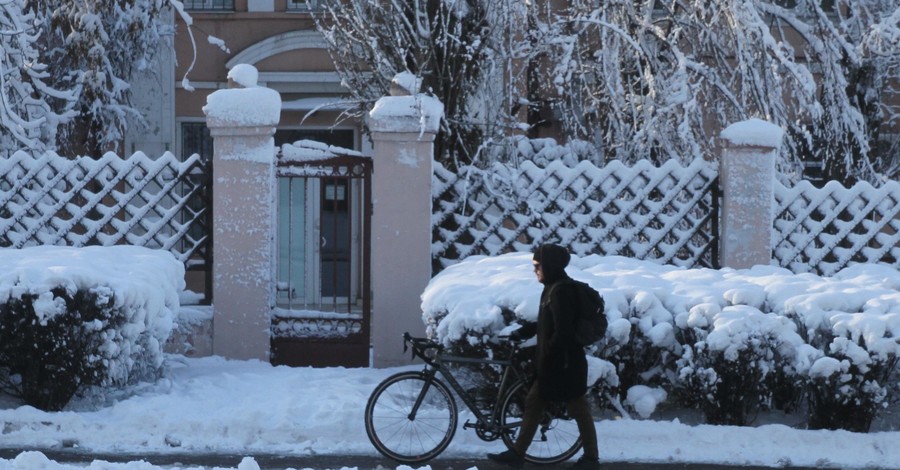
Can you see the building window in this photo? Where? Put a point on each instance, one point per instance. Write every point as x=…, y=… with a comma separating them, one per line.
x=209, y=5
x=302, y=5
x=195, y=138
x=827, y=5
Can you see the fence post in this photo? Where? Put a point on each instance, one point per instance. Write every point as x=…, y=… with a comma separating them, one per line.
x=242, y=123
x=747, y=177
x=403, y=129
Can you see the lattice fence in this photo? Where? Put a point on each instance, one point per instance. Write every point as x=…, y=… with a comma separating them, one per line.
x=161, y=203
x=823, y=230
x=667, y=214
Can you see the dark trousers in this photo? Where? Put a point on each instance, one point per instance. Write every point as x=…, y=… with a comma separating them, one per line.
x=579, y=410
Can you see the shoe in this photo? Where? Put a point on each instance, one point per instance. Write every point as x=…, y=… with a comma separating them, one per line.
x=509, y=458
x=586, y=463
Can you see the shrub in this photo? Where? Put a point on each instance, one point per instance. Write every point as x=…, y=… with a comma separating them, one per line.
x=643, y=353
x=55, y=342
x=850, y=364
x=729, y=390
x=640, y=341
x=728, y=342
x=730, y=361
x=847, y=387
x=604, y=386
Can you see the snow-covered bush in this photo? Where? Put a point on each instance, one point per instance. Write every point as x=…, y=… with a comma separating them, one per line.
x=642, y=343
x=854, y=344
x=75, y=317
x=516, y=149
x=731, y=342
x=845, y=393
x=851, y=329
x=604, y=383
x=53, y=343
x=731, y=359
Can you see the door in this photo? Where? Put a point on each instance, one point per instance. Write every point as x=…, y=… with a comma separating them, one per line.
x=314, y=233
x=322, y=301
x=318, y=243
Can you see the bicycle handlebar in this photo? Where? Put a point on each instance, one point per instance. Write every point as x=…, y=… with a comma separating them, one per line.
x=429, y=350
x=424, y=348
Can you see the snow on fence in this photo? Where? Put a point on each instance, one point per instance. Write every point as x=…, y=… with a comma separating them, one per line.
x=666, y=213
x=155, y=203
x=823, y=230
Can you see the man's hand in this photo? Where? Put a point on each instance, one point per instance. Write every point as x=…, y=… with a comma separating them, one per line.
x=519, y=331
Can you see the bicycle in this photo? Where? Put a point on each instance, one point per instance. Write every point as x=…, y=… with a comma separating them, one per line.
x=412, y=416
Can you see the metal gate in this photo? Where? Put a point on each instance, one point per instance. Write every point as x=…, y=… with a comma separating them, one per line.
x=323, y=301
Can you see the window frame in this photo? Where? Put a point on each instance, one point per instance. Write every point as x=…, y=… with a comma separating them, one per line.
x=302, y=6
x=210, y=5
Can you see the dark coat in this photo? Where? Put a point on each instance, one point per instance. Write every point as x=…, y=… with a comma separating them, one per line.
x=561, y=366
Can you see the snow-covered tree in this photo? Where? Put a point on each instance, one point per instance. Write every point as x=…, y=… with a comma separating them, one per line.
x=82, y=104
x=32, y=106
x=96, y=47
x=653, y=79
x=468, y=53
x=842, y=43
x=658, y=79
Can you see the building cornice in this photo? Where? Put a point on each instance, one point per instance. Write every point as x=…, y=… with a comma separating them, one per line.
x=280, y=43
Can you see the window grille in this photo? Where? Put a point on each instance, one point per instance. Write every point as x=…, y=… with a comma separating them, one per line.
x=209, y=5
x=302, y=5
x=195, y=138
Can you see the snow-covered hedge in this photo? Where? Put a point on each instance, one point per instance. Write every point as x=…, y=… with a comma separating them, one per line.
x=73, y=317
x=730, y=342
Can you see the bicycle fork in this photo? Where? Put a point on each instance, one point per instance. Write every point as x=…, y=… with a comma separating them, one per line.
x=429, y=377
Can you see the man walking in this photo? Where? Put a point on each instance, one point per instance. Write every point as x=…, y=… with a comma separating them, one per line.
x=561, y=366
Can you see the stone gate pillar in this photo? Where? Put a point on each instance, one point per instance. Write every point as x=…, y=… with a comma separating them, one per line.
x=403, y=130
x=747, y=177
x=242, y=123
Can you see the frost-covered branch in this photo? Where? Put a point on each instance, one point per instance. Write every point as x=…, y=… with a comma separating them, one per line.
x=646, y=79
x=31, y=109
x=473, y=56
x=96, y=49
x=639, y=79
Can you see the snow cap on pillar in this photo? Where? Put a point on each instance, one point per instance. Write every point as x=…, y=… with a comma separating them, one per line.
x=406, y=110
x=754, y=133
x=246, y=106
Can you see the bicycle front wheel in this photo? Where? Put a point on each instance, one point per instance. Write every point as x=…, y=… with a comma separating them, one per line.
x=557, y=437
x=401, y=430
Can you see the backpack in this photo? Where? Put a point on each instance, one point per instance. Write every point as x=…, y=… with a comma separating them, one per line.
x=590, y=320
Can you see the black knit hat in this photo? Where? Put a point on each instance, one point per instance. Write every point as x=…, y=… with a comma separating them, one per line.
x=553, y=259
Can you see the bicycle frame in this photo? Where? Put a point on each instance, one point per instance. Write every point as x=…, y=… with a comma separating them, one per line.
x=437, y=365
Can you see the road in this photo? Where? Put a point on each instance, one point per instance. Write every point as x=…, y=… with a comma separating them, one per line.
x=324, y=462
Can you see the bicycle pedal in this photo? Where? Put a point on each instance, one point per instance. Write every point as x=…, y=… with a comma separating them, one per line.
x=469, y=425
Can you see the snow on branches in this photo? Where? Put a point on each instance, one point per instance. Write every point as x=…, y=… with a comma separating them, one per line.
x=647, y=79
x=95, y=48
x=642, y=79
x=32, y=105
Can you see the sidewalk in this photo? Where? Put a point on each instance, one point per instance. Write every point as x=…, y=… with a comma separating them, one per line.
x=335, y=462
x=212, y=411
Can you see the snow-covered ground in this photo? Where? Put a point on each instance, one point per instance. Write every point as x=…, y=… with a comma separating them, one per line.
x=245, y=407
x=212, y=405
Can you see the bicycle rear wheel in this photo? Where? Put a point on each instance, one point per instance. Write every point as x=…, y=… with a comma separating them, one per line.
x=399, y=433
x=557, y=438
